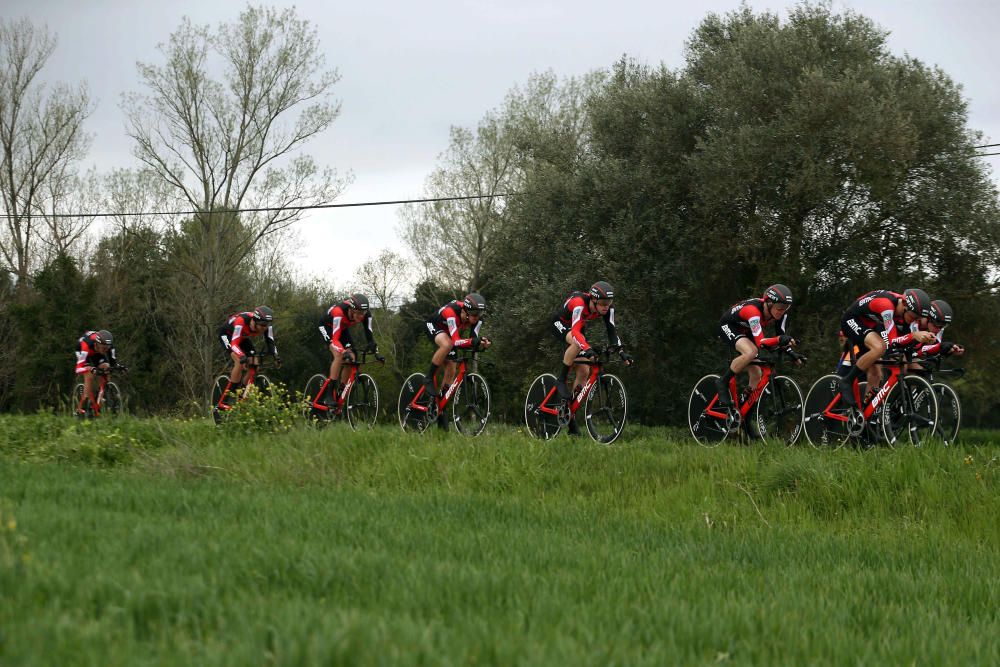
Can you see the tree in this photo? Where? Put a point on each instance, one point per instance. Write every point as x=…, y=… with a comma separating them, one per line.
x=41, y=139
x=454, y=241
x=225, y=145
x=798, y=151
x=383, y=276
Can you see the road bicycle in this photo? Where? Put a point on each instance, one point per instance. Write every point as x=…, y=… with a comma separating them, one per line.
x=774, y=406
x=252, y=379
x=904, y=406
x=949, y=420
x=468, y=395
x=356, y=399
x=603, y=397
x=108, y=401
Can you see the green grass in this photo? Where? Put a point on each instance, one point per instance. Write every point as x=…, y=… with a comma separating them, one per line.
x=166, y=542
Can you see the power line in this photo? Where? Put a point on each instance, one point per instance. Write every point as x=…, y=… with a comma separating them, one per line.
x=986, y=146
x=263, y=209
x=985, y=154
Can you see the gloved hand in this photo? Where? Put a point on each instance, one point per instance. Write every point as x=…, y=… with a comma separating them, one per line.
x=244, y=360
x=626, y=357
x=784, y=340
x=372, y=348
x=277, y=361
x=946, y=348
x=379, y=358
x=589, y=353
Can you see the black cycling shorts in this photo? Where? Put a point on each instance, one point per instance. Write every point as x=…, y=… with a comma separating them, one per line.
x=731, y=334
x=856, y=331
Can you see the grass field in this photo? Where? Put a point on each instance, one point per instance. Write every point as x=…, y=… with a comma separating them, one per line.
x=167, y=542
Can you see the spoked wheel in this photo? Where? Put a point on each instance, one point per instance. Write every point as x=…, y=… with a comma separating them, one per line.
x=827, y=420
x=910, y=412
x=416, y=409
x=362, y=403
x=220, y=386
x=470, y=406
x=708, y=429
x=311, y=413
x=949, y=413
x=543, y=394
x=779, y=410
x=263, y=384
x=112, y=400
x=606, y=409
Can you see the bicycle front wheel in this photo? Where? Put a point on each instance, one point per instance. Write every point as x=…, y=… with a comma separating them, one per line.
x=910, y=412
x=607, y=406
x=780, y=410
x=263, y=384
x=79, y=403
x=707, y=429
x=542, y=394
x=362, y=403
x=313, y=385
x=949, y=413
x=470, y=406
x=112, y=400
x=221, y=383
x=415, y=405
x=826, y=416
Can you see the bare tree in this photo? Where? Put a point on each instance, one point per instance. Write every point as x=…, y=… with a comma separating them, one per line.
x=230, y=142
x=454, y=240
x=41, y=138
x=383, y=277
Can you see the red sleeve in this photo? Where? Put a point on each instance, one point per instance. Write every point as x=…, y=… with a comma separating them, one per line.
x=81, y=356
x=239, y=333
x=576, y=307
x=755, y=320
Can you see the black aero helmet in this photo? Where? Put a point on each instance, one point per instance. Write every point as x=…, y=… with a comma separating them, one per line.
x=602, y=290
x=474, y=303
x=104, y=337
x=263, y=314
x=917, y=301
x=941, y=313
x=778, y=293
x=357, y=301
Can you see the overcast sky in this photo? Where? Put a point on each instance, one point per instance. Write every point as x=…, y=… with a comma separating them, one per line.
x=411, y=70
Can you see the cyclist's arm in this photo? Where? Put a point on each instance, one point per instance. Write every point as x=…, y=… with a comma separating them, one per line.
x=577, y=322
x=369, y=334
x=609, y=323
x=272, y=347
x=81, y=362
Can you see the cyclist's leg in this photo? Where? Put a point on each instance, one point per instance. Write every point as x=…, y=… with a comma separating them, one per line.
x=746, y=352
x=89, y=395
x=444, y=347
x=569, y=355
x=871, y=347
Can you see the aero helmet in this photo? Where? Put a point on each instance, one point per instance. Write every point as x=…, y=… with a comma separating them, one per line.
x=940, y=313
x=104, y=337
x=917, y=301
x=357, y=301
x=263, y=314
x=602, y=290
x=474, y=303
x=778, y=293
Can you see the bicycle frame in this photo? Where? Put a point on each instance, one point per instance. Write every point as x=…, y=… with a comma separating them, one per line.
x=767, y=371
x=596, y=370
x=250, y=375
x=868, y=409
x=443, y=399
x=98, y=400
x=345, y=388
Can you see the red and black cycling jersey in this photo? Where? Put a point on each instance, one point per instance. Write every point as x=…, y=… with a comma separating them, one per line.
x=877, y=310
x=236, y=331
x=574, y=314
x=448, y=319
x=926, y=349
x=88, y=357
x=746, y=318
x=335, y=323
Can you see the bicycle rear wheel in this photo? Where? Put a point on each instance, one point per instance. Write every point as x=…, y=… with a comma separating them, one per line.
x=949, y=413
x=415, y=407
x=470, y=406
x=707, y=429
x=826, y=421
x=362, y=403
x=542, y=392
x=606, y=409
x=221, y=383
x=909, y=412
x=313, y=385
x=780, y=410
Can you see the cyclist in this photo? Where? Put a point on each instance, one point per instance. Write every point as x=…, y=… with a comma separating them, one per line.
x=870, y=323
x=95, y=353
x=335, y=328
x=236, y=337
x=568, y=323
x=444, y=330
x=742, y=327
